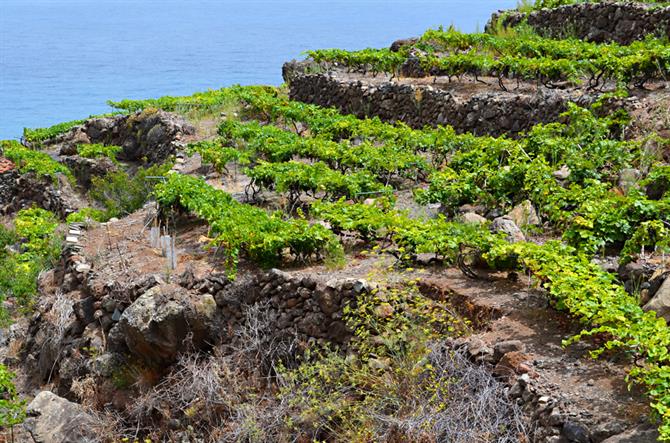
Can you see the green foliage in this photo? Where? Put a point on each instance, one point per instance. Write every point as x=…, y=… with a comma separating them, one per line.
x=650, y=234
x=519, y=56
x=86, y=214
x=386, y=371
x=590, y=294
x=273, y=144
x=369, y=221
x=122, y=194
x=374, y=60
x=28, y=160
x=39, y=135
x=499, y=172
x=216, y=155
x=240, y=228
x=12, y=409
x=207, y=100
x=296, y=178
x=38, y=248
x=98, y=150
x=539, y=4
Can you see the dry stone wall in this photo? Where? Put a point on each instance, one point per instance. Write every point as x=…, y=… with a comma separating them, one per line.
x=483, y=113
x=153, y=320
x=598, y=21
x=19, y=191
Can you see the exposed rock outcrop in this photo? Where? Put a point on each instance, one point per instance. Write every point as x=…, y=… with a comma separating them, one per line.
x=52, y=419
x=84, y=169
x=660, y=303
x=19, y=191
x=151, y=135
x=641, y=434
x=507, y=226
x=524, y=214
x=162, y=322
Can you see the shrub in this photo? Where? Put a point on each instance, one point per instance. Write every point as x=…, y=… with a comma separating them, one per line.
x=12, y=409
x=122, y=194
x=28, y=160
x=98, y=150
x=34, y=228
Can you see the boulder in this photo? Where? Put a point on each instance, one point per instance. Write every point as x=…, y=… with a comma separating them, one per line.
x=524, y=214
x=660, y=303
x=641, y=434
x=472, y=218
x=503, y=347
x=506, y=225
x=84, y=169
x=52, y=419
x=399, y=44
x=575, y=432
x=164, y=321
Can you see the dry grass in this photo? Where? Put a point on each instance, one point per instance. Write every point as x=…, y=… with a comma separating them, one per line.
x=246, y=391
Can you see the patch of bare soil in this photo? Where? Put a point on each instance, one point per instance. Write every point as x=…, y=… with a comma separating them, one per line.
x=584, y=390
x=592, y=391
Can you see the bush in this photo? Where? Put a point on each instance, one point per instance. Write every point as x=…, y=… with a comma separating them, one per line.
x=12, y=409
x=28, y=160
x=98, y=150
x=86, y=214
x=122, y=194
x=39, y=248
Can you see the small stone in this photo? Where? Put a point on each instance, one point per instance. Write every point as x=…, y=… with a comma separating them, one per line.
x=660, y=303
x=308, y=283
x=575, y=432
x=562, y=174
x=524, y=214
x=524, y=380
x=507, y=226
x=555, y=418
x=503, y=347
x=82, y=268
x=516, y=390
x=472, y=218
x=628, y=178
x=361, y=285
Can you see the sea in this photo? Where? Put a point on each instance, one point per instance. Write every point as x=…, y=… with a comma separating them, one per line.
x=62, y=60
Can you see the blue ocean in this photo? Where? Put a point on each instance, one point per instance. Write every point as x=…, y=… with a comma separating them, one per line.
x=63, y=59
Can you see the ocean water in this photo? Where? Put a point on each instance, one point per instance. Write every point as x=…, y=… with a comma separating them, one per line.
x=63, y=59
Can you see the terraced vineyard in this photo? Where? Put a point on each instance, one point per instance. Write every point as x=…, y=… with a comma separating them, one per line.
x=299, y=150
x=266, y=181
x=520, y=57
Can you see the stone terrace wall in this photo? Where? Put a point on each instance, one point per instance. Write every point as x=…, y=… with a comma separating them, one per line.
x=19, y=191
x=597, y=22
x=484, y=113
